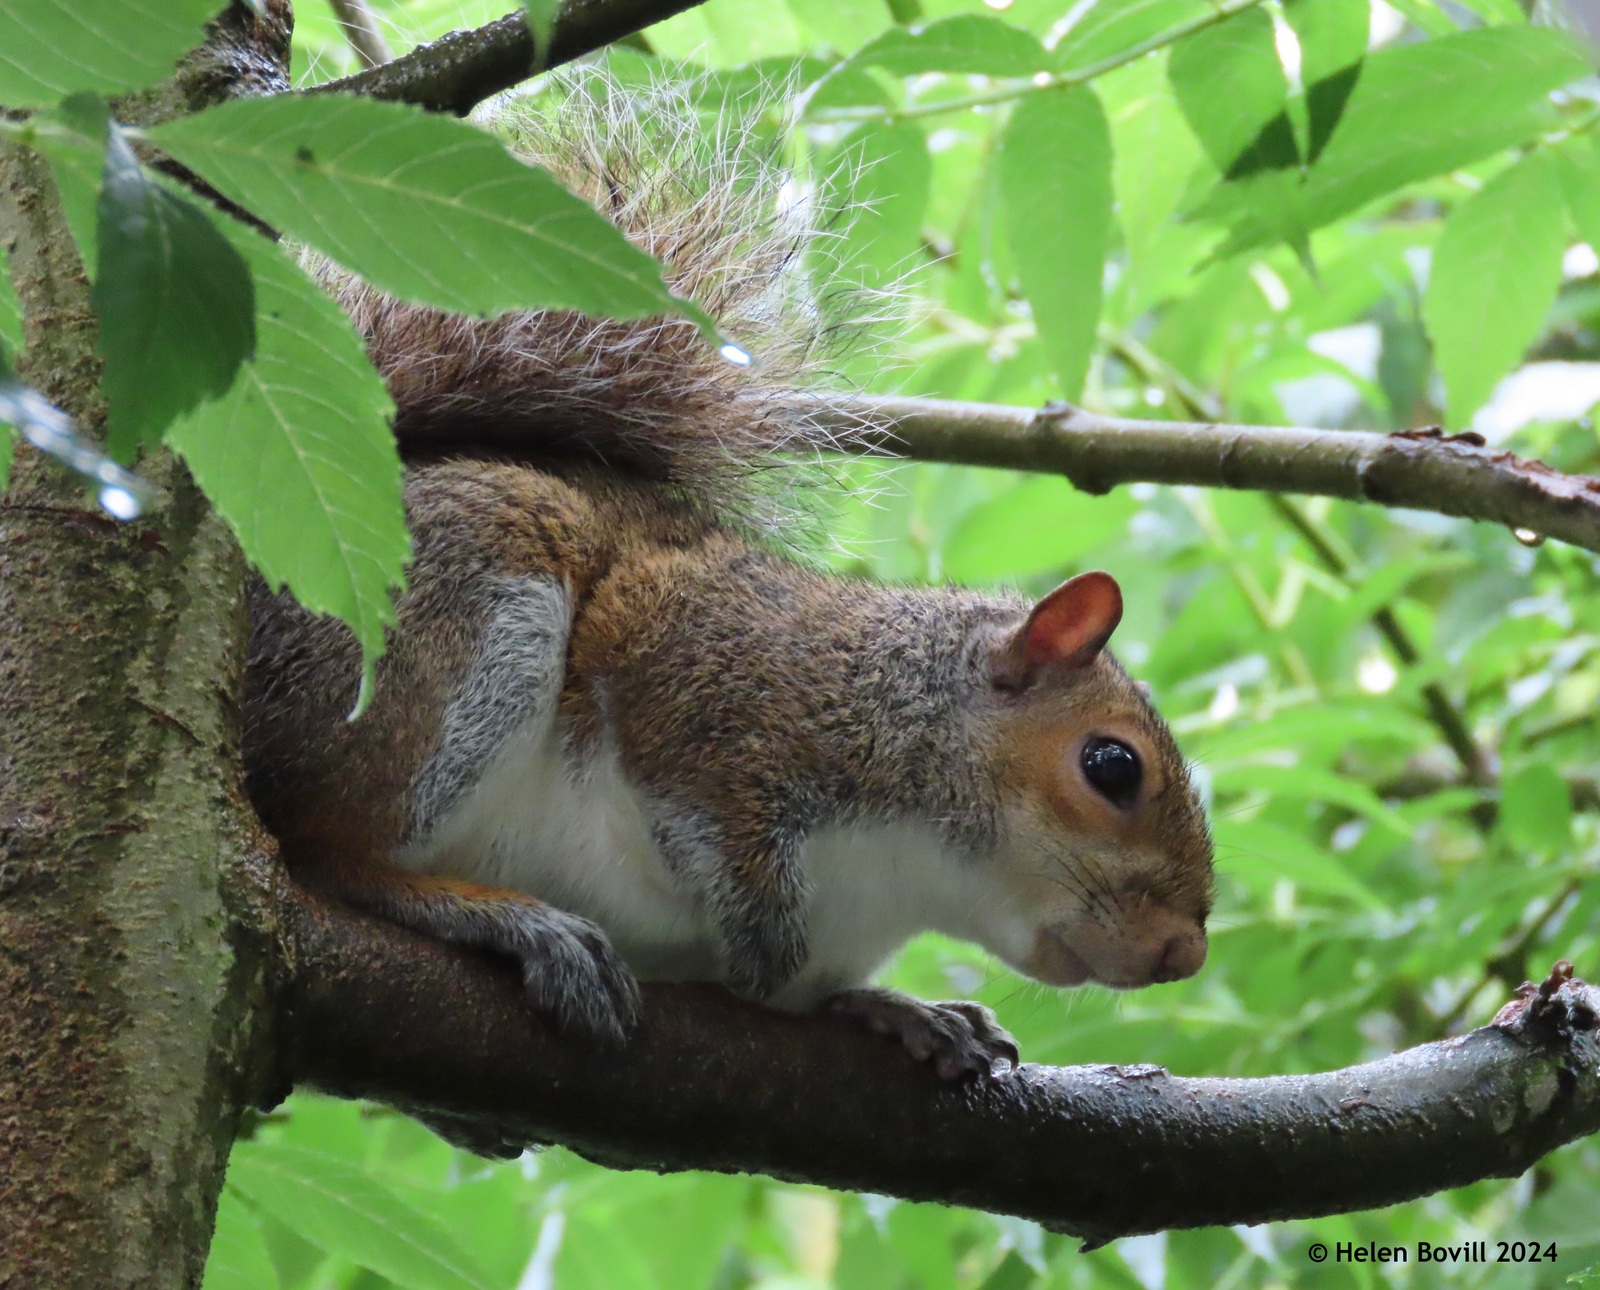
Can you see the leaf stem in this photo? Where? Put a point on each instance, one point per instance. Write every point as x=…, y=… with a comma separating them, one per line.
x=1046, y=80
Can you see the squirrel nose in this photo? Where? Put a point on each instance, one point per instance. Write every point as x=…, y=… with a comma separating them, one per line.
x=1180, y=957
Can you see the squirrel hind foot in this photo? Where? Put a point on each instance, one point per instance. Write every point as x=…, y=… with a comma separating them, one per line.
x=569, y=968
x=572, y=974
x=960, y=1038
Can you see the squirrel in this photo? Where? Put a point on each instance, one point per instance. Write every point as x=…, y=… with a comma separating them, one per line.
x=620, y=734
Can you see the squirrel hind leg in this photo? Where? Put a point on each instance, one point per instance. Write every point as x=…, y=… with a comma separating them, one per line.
x=960, y=1038
x=569, y=968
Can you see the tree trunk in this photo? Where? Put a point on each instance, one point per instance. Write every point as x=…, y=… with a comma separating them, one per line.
x=129, y=1019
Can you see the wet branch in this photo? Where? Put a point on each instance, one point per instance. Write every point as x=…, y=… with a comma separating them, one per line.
x=1422, y=469
x=367, y=1010
x=458, y=71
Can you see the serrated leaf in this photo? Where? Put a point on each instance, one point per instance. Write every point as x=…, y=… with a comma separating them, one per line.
x=421, y=205
x=975, y=44
x=1333, y=43
x=1495, y=274
x=1042, y=523
x=52, y=48
x=297, y=456
x=1107, y=28
x=1231, y=87
x=1055, y=181
x=174, y=299
x=344, y=1210
x=238, y=1258
x=1420, y=110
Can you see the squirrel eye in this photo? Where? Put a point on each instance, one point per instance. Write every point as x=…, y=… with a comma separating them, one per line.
x=1113, y=768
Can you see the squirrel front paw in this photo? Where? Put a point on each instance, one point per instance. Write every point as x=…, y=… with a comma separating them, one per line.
x=573, y=975
x=959, y=1037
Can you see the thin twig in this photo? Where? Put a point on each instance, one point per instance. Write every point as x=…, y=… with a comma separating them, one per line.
x=361, y=30
x=1012, y=90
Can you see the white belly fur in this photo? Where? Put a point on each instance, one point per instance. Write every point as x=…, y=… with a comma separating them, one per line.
x=579, y=837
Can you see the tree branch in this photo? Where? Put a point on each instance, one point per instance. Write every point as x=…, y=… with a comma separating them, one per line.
x=1422, y=469
x=1476, y=763
x=368, y=1010
x=460, y=70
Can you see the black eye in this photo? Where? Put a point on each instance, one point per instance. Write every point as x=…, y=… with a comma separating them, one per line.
x=1113, y=768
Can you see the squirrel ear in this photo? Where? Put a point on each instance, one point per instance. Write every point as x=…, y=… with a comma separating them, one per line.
x=1073, y=623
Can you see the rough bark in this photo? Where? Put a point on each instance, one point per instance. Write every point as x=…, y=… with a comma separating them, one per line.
x=132, y=1013
x=1097, y=1151
x=459, y=71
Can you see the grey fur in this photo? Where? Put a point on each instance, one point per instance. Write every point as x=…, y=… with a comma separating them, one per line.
x=568, y=965
x=761, y=928
x=516, y=677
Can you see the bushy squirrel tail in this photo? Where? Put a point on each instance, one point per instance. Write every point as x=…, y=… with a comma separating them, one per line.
x=648, y=397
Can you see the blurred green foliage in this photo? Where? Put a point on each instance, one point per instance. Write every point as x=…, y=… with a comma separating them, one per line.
x=1376, y=248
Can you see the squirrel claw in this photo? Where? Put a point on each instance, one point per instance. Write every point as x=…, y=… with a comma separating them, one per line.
x=573, y=975
x=959, y=1038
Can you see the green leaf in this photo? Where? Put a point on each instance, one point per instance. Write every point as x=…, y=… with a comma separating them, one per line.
x=1578, y=163
x=238, y=1258
x=881, y=181
x=1260, y=853
x=1043, y=523
x=51, y=48
x=973, y=43
x=421, y=205
x=1333, y=42
x=1055, y=182
x=349, y=1213
x=1107, y=28
x=1420, y=110
x=1495, y=274
x=1231, y=87
x=920, y=1235
x=1536, y=810
x=72, y=137
x=174, y=299
x=298, y=458
x=1315, y=785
